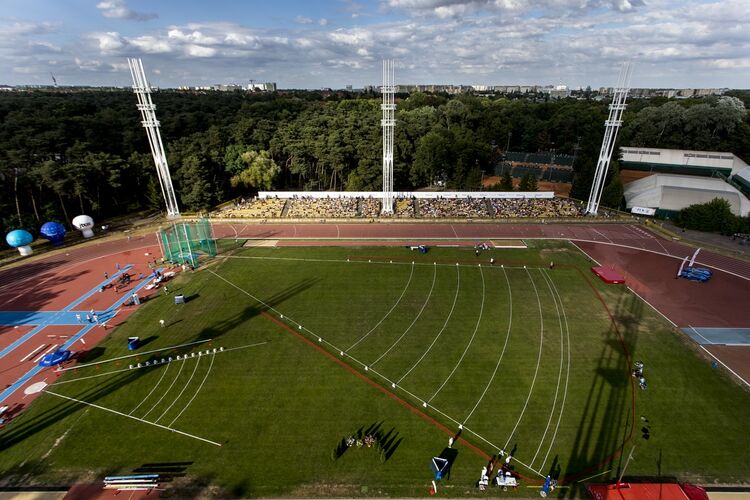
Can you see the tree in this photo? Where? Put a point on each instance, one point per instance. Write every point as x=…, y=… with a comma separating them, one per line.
x=714, y=216
x=506, y=181
x=528, y=182
x=259, y=173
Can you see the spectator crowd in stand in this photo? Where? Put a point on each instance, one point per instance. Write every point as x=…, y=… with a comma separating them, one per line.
x=323, y=207
x=331, y=208
x=453, y=207
x=370, y=207
x=554, y=207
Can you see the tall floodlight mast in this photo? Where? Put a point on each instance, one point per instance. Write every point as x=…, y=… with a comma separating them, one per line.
x=151, y=124
x=612, y=125
x=388, y=122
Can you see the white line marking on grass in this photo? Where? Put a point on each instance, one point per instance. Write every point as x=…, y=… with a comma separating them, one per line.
x=652, y=307
x=75, y=367
x=479, y=319
x=455, y=298
x=197, y=391
x=151, y=366
x=502, y=353
x=567, y=372
x=363, y=337
x=538, y=360
x=559, y=373
x=135, y=418
x=91, y=376
x=725, y=366
x=152, y=389
x=416, y=318
x=197, y=362
x=182, y=365
x=581, y=481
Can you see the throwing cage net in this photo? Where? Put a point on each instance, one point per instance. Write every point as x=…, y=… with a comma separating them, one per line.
x=189, y=243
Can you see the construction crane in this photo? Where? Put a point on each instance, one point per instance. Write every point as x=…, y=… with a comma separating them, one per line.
x=54, y=80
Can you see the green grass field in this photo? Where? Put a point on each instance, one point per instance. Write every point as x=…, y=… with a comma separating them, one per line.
x=525, y=358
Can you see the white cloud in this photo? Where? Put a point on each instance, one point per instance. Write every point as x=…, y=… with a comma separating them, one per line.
x=119, y=9
x=108, y=42
x=323, y=21
x=200, y=51
x=303, y=20
x=577, y=42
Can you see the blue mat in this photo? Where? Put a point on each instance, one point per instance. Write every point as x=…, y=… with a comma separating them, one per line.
x=721, y=336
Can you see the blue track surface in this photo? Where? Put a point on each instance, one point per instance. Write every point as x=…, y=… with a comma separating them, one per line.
x=64, y=317
x=720, y=336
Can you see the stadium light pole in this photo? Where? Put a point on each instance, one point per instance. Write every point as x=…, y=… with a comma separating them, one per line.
x=612, y=126
x=148, y=114
x=388, y=123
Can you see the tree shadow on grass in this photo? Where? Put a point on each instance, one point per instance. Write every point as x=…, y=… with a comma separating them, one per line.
x=254, y=309
x=606, y=421
x=27, y=425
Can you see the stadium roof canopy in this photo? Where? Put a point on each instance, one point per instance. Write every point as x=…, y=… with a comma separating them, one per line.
x=679, y=161
x=675, y=192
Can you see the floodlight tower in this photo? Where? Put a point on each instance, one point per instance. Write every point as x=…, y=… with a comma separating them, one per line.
x=388, y=122
x=148, y=114
x=612, y=125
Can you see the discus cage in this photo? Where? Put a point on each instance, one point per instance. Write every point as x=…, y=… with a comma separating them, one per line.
x=187, y=242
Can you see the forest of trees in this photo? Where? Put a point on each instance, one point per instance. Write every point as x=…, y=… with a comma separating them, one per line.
x=62, y=154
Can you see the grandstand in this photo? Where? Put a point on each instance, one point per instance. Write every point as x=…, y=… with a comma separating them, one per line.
x=544, y=165
x=407, y=205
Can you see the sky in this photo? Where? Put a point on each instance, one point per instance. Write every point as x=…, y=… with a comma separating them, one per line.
x=334, y=43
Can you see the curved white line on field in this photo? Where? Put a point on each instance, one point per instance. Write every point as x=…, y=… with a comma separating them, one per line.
x=567, y=373
x=197, y=390
x=546, y=279
x=455, y=298
x=197, y=362
x=479, y=320
x=363, y=337
x=152, y=390
x=182, y=365
x=427, y=300
x=538, y=360
x=502, y=353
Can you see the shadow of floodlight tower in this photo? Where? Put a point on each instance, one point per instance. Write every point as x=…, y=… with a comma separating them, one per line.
x=148, y=114
x=612, y=125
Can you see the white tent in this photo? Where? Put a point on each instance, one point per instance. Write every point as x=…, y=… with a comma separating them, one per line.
x=675, y=192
